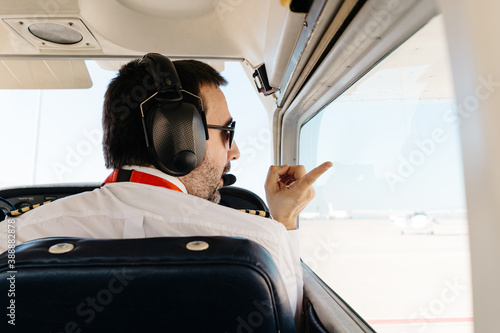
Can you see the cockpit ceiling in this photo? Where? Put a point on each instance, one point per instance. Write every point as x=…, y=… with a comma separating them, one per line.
x=204, y=29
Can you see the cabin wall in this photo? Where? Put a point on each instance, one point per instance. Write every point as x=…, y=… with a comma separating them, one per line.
x=472, y=29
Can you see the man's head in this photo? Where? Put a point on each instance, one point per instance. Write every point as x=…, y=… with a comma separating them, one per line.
x=124, y=140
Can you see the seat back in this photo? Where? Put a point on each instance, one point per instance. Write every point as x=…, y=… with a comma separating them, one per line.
x=173, y=284
x=240, y=198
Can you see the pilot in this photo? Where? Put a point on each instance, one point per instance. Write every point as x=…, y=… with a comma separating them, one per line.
x=168, y=136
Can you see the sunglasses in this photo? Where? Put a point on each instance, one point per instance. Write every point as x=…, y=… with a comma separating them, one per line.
x=229, y=131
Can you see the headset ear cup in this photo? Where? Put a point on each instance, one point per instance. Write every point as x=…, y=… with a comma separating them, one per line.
x=176, y=133
x=177, y=137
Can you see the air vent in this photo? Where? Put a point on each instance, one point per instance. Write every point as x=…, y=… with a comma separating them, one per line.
x=54, y=33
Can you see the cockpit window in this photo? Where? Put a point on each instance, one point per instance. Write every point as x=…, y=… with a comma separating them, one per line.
x=388, y=228
x=55, y=136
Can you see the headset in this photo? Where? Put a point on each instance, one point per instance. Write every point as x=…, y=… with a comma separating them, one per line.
x=175, y=131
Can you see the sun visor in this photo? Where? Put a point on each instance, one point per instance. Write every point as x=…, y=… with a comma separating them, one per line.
x=283, y=30
x=44, y=74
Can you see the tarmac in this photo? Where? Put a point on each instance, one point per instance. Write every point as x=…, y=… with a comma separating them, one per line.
x=397, y=280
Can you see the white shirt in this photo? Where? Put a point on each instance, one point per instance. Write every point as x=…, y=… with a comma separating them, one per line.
x=133, y=210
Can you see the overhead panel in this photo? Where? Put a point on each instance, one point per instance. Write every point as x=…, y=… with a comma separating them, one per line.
x=196, y=29
x=53, y=33
x=225, y=29
x=172, y=9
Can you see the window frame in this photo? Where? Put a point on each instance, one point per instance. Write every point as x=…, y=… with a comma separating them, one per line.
x=338, y=72
x=333, y=76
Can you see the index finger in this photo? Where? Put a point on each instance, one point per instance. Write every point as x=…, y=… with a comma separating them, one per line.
x=314, y=174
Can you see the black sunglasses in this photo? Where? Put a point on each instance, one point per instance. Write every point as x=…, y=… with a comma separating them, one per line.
x=229, y=131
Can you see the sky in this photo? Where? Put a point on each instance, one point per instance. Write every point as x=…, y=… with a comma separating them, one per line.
x=387, y=155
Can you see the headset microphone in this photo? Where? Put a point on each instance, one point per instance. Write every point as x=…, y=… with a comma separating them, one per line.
x=228, y=179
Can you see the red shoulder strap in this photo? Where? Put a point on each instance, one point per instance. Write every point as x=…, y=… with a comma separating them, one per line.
x=119, y=175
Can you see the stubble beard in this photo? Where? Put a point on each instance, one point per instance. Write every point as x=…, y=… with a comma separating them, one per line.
x=205, y=181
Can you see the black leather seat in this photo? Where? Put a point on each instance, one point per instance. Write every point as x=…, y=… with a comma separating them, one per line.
x=145, y=285
x=240, y=198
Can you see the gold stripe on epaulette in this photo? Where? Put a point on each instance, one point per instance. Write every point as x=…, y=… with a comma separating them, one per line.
x=256, y=212
x=23, y=210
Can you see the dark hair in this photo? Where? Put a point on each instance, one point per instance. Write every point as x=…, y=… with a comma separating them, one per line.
x=123, y=141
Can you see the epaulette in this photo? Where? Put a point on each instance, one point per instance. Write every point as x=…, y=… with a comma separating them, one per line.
x=20, y=211
x=256, y=212
x=23, y=210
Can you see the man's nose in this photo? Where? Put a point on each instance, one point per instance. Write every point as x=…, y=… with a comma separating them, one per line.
x=234, y=152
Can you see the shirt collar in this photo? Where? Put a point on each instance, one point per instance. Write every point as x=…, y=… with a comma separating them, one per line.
x=157, y=173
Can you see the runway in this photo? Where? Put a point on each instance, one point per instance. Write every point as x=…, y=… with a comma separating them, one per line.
x=398, y=280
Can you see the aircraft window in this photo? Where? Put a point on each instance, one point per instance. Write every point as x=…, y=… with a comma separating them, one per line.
x=253, y=134
x=54, y=136
x=388, y=227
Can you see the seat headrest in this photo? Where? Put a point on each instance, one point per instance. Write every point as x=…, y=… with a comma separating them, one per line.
x=174, y=284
